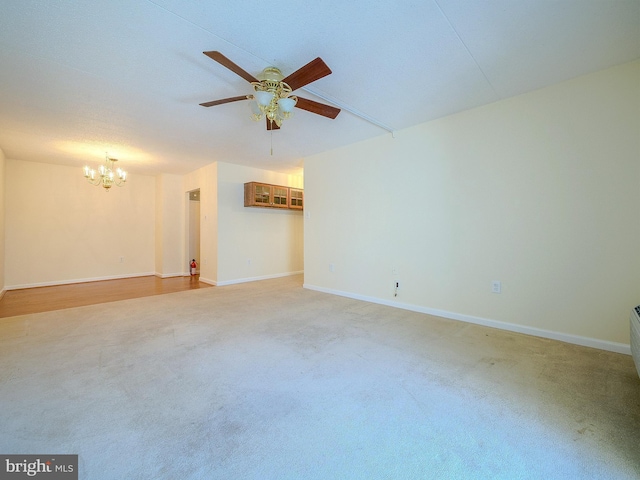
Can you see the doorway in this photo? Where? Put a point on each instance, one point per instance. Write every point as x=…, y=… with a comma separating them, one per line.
x=193, y=231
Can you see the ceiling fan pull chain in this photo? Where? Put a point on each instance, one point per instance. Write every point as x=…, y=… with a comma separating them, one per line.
x=272, y=142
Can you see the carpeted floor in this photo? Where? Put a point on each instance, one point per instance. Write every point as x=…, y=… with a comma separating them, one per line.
x=270, y=381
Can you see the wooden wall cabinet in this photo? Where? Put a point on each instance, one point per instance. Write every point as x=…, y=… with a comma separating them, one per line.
x=296, y=198
x=258, y=194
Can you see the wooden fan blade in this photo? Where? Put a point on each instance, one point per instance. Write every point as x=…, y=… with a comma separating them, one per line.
x=225, y=100
x=318, y=108
x=311, y=72
x=272, y=125
x=225, y=62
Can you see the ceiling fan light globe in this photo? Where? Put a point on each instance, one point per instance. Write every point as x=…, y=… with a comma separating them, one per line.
x=263, y=98
x=255, y=109
x=286, y=104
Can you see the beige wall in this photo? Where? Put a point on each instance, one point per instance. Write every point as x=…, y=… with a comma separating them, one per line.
x=159, y=226
x=231, y=235
x=205, y=179
x=539, y=192
x=255, y=243
x=2, y=216
x=170, y=205
x=193, y=216
x=60, y=229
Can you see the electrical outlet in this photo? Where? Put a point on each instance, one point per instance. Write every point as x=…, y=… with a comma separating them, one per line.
x=332, y=267
x=121, y=259
x=248, y=261
x=496, y=286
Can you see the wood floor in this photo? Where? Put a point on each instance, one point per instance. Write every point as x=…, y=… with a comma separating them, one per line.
x=45, y=299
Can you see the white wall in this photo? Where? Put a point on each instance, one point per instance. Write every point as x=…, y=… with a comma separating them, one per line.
x=255, y=243
x=539, y=191
x=2, y=216
x=159, y=227
x=59, y=228
x=194, y=232
x=170, y=226
x=231, y=234
x=205, y=179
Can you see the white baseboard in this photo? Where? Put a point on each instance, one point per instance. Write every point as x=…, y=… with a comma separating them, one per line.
x=254, y=279
x=512, y=327
x=171, y=275
x=2, y=292
x=77, y=280
x=207, y=281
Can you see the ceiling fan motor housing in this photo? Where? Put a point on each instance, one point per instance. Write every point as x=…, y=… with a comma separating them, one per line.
x=270, y=80
x=271, y=74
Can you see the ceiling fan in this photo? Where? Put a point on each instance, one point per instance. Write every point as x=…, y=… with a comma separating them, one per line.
x=272, y=98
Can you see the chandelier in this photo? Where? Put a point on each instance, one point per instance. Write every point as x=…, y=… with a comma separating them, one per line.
x=272, y=98
x=106, y=175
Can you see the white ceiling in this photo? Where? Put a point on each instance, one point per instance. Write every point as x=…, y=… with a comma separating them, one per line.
x=78, y=78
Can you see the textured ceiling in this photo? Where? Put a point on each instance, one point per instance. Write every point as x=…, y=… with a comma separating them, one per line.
x=80, y=78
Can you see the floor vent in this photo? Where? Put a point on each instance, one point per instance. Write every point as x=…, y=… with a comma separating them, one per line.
x=635, y=336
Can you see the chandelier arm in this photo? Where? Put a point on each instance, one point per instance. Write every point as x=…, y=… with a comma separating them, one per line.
x=95, y=181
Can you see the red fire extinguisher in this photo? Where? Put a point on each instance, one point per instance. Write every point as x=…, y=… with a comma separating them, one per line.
x=194, y=265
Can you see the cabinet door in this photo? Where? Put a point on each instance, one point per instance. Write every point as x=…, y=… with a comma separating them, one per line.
x=296, y=199
x=261, y=195
x=256, y=195
x=279, y=197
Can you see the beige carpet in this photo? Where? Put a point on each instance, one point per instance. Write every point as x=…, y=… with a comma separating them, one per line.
x=270, y=381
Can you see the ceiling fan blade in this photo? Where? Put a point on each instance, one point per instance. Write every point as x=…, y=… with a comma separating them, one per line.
x=272, y=125
x=225, y=62
x=225, y=100
x=318, y=108
x=311, y=72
